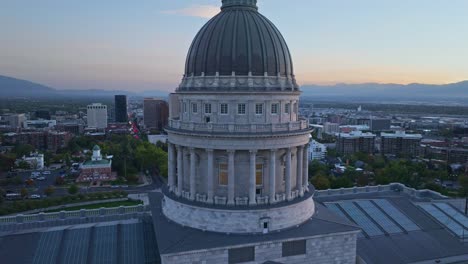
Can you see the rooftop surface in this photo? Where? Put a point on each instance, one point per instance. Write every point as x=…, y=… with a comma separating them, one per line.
x=396, y=229
x=129, y=241
x=174, y=238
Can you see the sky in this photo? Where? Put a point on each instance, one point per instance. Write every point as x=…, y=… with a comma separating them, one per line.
x=141, y=45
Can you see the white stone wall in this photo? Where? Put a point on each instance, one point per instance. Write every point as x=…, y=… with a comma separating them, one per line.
x=327, y=249
x=233, y=99
x=238, y=221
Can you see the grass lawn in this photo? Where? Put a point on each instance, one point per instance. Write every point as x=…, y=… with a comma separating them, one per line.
x=98, y=205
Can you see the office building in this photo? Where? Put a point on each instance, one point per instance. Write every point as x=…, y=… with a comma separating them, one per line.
x=155, y=113
x=121, y=110
x=97, y=116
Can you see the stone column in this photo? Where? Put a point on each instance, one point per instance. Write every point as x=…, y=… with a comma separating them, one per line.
x=209, y=184
x=272, y=176
x=300, y=159
x=231, y=177
x=180, y=170
x=192, y=174
x=305, y=171
x=172, y=164
x=252, y=177
x=288, y=174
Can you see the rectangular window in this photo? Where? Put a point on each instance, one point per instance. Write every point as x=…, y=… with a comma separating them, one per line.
x=295, y=108
x=194, y=108
x=287, y=108
x=259, y=174
x=207, y=108
x=241, y=109
x=241, y=255
x=185, y=107
x=223, y=174
x=224, y=109
x=294, y=248
x=274, y=109
x=258, y=109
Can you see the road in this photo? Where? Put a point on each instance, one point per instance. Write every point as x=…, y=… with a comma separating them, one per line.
x=39, y=186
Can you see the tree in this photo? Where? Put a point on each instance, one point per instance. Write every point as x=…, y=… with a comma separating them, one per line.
x=2, y=193
x=59, y=180
x=24, y=192
x=49, y=190
x=321, y=182
x=23, y=150
x=24, y=165
x=73, y=189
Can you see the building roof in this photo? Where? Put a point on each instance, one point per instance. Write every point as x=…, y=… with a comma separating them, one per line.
x=389, y=240
x=129, y=241
x=174, y=238
x=401, y=134
x=239, y=40
x=96, y=162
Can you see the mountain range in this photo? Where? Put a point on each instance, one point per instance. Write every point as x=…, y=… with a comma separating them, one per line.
x=12, y=87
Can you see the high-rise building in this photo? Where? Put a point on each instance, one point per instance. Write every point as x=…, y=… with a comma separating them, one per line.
x=331, y=128
x=97, y=116
x=155, y=113
x=356, y=141
x=120, y=105
x=14, y=120
x=379, y=124
x=400, y=143
x=238, y=153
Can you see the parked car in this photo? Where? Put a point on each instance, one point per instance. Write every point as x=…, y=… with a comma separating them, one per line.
x=46, y=172
x=42, y=178
x=34, y=196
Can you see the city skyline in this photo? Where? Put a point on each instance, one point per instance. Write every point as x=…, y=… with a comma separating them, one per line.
x=89, y=45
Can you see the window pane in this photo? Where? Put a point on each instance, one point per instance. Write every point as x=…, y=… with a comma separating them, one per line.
x=241, y=109
x=194, y=108
x=294, y=248
x=286, y=108
x=259, y=109
x=224, y=109
x=207, y=108
x=259, y=174
x=274, y=108
x=241, y=255
x=223, y=174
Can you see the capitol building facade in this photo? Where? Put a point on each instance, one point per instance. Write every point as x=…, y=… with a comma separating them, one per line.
x=238, y=160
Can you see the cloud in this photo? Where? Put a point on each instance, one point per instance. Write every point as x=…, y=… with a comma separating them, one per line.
x=204, y=11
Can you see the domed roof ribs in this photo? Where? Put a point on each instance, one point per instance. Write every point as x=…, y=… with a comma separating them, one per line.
x=249, y=43
x=200, y=66
x=221, y=42
x=200, y=41
x=204, y=68
x=196, y=42
x=262, y=44
x=234, y=42
x=275, y=48
x=285, y=49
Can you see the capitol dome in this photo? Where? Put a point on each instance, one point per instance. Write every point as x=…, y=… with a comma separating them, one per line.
x=237, y=147
x=240, y=42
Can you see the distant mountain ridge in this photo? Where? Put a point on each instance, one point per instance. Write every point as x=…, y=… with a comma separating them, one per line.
x=12, y=87
x=412, y=91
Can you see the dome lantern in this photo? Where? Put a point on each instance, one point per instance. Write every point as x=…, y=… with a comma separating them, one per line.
x=239, y=3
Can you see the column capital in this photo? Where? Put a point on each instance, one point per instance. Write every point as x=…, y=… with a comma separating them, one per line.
x=253, y=151
x=209, y=150
x=231, y=151
x=301, y=147
x=273, y=150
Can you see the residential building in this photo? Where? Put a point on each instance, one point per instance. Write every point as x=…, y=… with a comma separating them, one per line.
x=400, y=143
x=35, y=160
x=379, y=124
x=356, y=141
x=14, y=120
x=317, y=151
x=58, y=140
